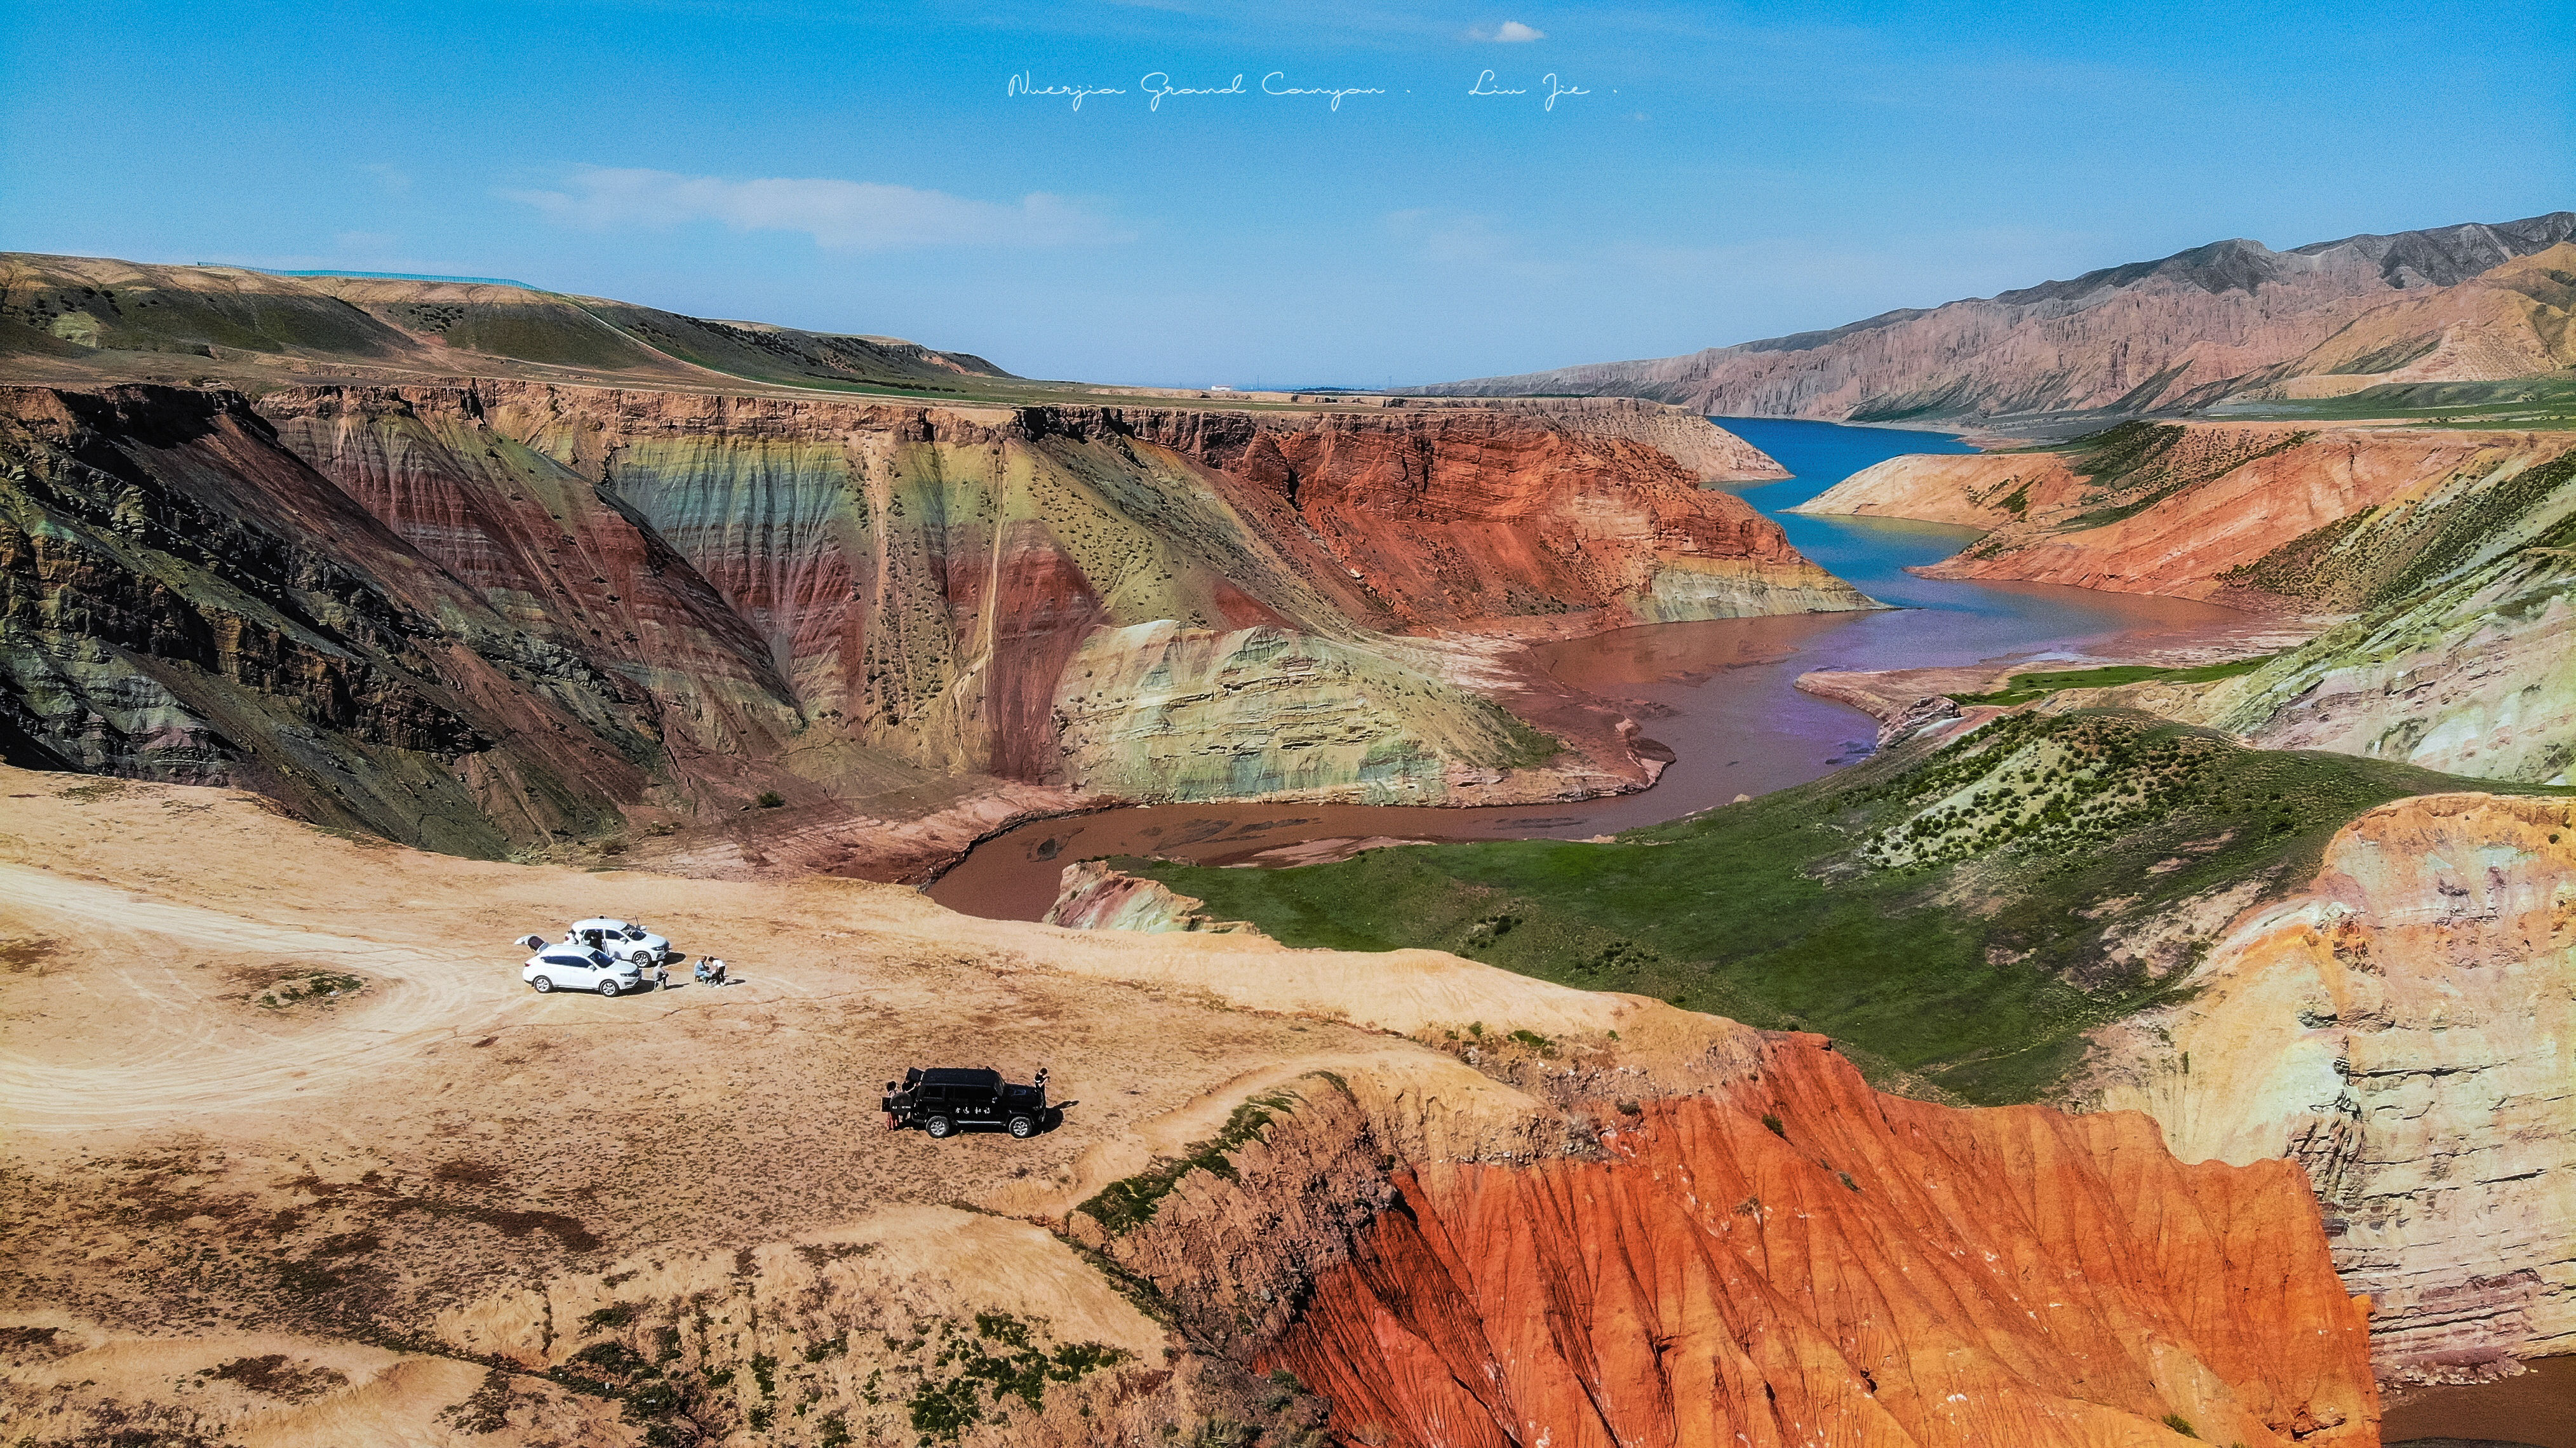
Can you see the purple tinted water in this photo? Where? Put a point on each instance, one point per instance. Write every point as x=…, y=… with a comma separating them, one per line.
x=1718, y=693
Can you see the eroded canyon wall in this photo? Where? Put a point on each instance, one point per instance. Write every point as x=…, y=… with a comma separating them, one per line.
x=663, y=607
x=2476, y=676
x=2404, y=1030
x=1780, y=1257
x=2259, y=515
x=2450, y=546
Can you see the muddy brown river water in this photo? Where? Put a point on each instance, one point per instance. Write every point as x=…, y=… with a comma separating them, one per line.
x=2537, y=1408
x=1718, y=694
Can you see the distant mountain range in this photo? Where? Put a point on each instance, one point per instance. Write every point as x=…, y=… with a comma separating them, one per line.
x=2232, y=320
x=79, y=317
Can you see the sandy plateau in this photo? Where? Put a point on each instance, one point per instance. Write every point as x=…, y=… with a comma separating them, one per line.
x=297, y=1159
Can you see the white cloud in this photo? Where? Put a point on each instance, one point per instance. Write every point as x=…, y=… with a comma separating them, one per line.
x=858, y=215
x=1509, y=32
x=1468, y=241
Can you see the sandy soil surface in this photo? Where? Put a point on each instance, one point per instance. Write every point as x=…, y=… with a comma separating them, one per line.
x=207, y=1145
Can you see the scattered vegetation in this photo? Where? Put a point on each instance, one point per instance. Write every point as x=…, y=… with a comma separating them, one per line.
x=278, y=1377
x=2023, y=688
x=2545, y=401
x=2383, y=555
x=996, y=1361
x=1943, y=914
x=485, y=1411
x=316, y=987
x=1529, y=747
x=2136, y=465
x=19, y=956
x=1130, y=1202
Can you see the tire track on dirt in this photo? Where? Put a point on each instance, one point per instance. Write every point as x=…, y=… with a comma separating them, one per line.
x=182, y=1061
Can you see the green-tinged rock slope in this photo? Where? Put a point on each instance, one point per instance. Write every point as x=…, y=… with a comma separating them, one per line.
x=1961, y=914
x=2475, y=676
x=510, y=615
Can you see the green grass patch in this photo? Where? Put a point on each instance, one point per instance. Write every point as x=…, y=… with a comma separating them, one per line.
x=998, y=1359
x=1946, y=912
x=1131, y=1202
x=2022, y=688
x=2546, y=401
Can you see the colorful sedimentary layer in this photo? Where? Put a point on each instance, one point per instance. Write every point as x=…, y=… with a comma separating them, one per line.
x=2218, y=320
x=2404, y=1030
x=1096, y=897
x=2253, y=514
x=560, y=1220
x=1716, y=455
x=2474, y=677
x=507, y=613
x=2451, y=546
x=1783, y=1257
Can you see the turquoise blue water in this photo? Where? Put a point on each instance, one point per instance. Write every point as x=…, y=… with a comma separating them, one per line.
x=1742, y=728
x=1718, y=694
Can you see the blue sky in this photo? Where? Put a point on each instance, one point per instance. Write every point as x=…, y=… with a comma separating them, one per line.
x=1729, y=172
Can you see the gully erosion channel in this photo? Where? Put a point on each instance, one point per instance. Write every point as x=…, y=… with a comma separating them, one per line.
x=1718, y=694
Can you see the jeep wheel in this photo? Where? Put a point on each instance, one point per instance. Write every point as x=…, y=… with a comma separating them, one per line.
x=544, y=984
x=1024, y=1127
x=940, y=1126
x=608, y=988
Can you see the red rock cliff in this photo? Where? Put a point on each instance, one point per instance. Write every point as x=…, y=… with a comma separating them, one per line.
x=1795, y=1259
x=517, y=609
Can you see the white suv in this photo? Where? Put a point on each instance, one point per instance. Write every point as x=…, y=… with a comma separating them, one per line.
x=573, y=967
x=621, y=938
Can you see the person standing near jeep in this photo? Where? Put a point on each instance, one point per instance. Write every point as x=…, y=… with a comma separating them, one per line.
x=941, y=1100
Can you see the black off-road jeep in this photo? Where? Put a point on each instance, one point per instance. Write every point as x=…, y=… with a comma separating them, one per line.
x=944, y=1099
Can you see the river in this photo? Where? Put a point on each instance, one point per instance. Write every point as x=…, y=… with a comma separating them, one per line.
x=1718, y=693
x=2536, y=1408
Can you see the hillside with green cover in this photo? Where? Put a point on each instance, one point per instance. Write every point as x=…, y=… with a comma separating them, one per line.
x=1961, y=915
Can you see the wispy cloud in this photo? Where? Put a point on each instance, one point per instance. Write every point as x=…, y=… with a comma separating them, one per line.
x=393, y=179
x=1465, y=239
x=1508, y=33
x=856, y=215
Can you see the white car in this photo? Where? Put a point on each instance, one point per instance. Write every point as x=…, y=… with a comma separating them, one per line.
x=623, y=939
x=575, y=967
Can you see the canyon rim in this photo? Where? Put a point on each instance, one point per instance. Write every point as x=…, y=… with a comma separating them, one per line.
x=821, y=727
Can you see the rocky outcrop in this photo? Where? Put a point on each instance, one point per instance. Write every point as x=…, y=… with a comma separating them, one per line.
x=1441, y=517
x=507, y=614
x=2472, y=677
x=1780, y=1255
x=1688, y=437
x=1905, y=702
x=2451, y=545
x=2194, y=327
x=1096, y=897
x=2509, y=322
x=2403, y=1030
x=2258, y=515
